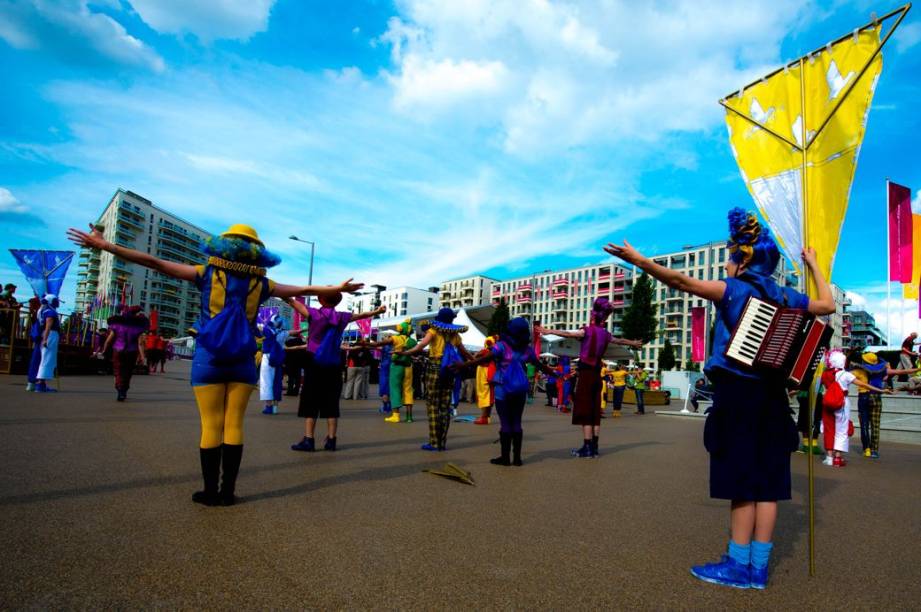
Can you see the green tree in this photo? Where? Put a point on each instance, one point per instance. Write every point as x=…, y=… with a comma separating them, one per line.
x=640, y=319
x=499, y=319
x=667, y=356
x=692, y=366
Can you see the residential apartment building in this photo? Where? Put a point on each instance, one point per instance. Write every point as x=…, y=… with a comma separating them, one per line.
x=564, y=299
x=704, y=262
x=864, y=331
x=840, y=320
x=135, y=222
x=400, y=301
x=468, y=291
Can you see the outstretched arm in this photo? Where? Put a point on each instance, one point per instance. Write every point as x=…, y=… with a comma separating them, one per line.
x=709, y=290
x=418, y=348
x=108, y=342
x=481, y=359
x=578, y=334
x=825, y=303
x=94, y=240
x=289, y=291
x=869, y=387
x=369, y=314
x=626, y=342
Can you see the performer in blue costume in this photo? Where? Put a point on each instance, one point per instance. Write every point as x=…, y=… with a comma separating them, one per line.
x=35, y=336
x=50, y=328
x=749, y=431
x=233, y=285
x=271, y=368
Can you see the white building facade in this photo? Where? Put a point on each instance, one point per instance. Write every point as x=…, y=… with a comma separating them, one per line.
x=400, y=301
x=133, y=221
x=563, y=299
x=468, y=291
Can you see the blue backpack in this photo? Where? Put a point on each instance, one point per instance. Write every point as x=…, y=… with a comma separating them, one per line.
x=229, y=336
x=514, y=379
x=449, y=357
x=329, y=352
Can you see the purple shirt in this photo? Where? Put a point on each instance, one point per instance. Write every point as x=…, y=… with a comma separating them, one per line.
x=593, y=345
x=322, y=319
x=126, y=336
x=504, y=361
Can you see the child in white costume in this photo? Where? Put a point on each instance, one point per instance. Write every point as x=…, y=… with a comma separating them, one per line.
x=836, y=424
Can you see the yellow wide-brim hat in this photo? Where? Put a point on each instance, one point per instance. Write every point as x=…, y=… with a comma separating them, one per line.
x=241, y=230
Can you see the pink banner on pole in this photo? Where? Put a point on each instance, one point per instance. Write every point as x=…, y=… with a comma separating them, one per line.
x=364, y=327
x=900, y=238
x=698, y=324
x=298, y=319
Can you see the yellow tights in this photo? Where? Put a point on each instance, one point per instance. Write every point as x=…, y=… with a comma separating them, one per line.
x=221, y=408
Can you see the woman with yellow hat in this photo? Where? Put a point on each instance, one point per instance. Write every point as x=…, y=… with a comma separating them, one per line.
x=233, y=284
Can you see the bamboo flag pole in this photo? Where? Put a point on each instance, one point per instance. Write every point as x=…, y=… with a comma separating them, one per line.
x=808, y=284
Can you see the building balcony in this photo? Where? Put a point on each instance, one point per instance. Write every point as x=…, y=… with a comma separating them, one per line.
x=496, y=291
x=560, y=282
x=604, y=277
x=619, y=276
x=677, y=296
x=523, y=299
x=524, y=288
x=617, y=303
x=130, y=222
x=559, y=295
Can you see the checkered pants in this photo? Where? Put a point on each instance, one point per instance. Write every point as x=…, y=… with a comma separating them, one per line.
x=870, y=409
x=438, y=404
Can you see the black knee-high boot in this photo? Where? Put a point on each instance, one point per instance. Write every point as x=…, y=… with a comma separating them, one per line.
x=595, y=445
x=233, y=453
x=516, y=447
x=505, y=440
x=210, y=472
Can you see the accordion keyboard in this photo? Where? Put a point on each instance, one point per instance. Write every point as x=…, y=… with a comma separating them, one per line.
x=751, y=330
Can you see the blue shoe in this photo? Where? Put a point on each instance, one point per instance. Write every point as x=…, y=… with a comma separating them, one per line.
x=429, y=447
x=874, y=455
x=329, y=444
x=384, y=410
x=268, y=410
x=759, y=577
x=727, y=573
x=305, y=445
x=583, y=453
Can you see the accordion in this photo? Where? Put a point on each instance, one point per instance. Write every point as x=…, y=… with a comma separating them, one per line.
x=777, y=341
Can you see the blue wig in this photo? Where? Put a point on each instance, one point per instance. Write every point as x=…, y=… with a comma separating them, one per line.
x=750, y=244
x=240, y=250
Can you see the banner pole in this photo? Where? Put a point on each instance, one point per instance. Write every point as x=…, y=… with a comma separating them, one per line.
x=807, y=281
x=888, y=270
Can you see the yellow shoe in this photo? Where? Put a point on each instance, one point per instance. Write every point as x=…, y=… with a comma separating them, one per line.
x=866, y=452
x=616, y=414
x=393, y=418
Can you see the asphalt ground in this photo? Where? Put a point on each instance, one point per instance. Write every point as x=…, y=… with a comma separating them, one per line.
x=95, y=512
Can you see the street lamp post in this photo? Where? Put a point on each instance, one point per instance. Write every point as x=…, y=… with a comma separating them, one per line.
x=310, y=271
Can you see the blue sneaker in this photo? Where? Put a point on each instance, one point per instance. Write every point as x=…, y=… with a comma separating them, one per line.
x=759, y=577
x=269, y=410
x=874, y=455
x=727, y=573
x=429, y=447
x=305, y=445
x=583, y=453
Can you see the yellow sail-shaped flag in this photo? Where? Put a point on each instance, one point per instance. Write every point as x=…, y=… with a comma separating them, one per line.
x=819, y=104
x=910, y=290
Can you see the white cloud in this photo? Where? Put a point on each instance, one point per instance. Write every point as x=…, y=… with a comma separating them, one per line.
x=875, y=300
x=916, y=202
x=907, y=36
x=9, y=203
x=584, y=73
x=427, y=84
x=74, y=33
x=207, y=19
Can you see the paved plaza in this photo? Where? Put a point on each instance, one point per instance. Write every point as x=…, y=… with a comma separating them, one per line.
x=96, y=512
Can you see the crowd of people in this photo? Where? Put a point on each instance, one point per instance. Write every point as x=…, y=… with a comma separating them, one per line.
x=747, y=434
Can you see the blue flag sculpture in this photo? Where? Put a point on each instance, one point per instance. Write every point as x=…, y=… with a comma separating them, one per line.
x=45, y=270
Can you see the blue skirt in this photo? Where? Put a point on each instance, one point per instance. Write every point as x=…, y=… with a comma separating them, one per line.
x=208, y=370
x=750, y=434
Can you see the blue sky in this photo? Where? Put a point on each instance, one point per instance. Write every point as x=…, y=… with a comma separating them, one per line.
x=420, y=140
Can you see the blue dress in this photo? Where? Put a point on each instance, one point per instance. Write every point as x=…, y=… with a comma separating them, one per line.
x=750, y=431
x=216, y=286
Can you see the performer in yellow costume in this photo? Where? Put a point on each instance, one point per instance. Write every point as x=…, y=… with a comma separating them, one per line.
x=233, y=285
x=401, y=371
x=485, y=395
